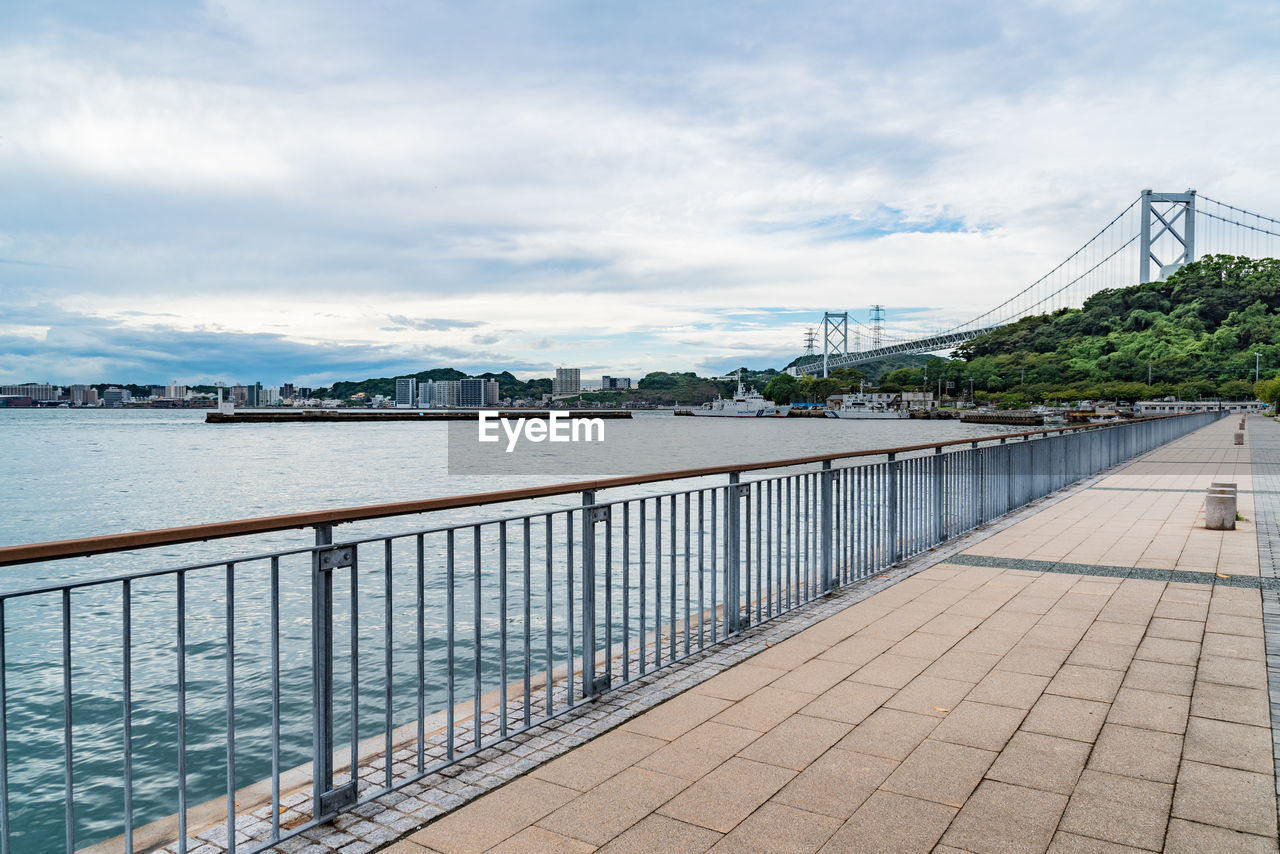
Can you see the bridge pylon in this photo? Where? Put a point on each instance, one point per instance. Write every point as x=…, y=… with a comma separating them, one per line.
x=835, y=336
x=1172, y=214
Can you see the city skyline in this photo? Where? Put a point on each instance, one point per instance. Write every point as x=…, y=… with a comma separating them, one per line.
x=320, y=192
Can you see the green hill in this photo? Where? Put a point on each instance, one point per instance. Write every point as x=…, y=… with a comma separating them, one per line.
x=1194, y=335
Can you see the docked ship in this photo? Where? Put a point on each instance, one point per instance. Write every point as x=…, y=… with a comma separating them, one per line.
x=744, y=404
x=862, y=406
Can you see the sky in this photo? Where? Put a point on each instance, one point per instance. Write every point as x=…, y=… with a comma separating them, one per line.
x=309, y=190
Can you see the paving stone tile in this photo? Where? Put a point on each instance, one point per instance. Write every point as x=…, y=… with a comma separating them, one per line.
x=1168, y=650
x=1188, y=630
x=848, y=702
x=656, y=833
x=926, y=695
x=494, y=817
x=979, y=725
x=1186, y=837
x=890, y=823
x=1117, y=809
x=796, y=742
x=1009, y=688
x=1231, y=703
x=1058, y=637
x=1086, y=683
x=1115, y=656
x=857, y=650
x=1003, y=819
x=1226, y=624
x=764, y=709
x=955, y=625
x=1159, y=676
x=1229, y=744
x=815, y=676
x=778, y=829
x=613, y=806
x=1233, y=646
x=1244, y=672
x=923, y=645
x=1110, y=632
x=788, y=654
x=739, y=681
x=890, y=671
x=1150, y=710
x=677, y=716
x=1226, y=797
x=1142, y=753
x=699, y=750
x=1042, y=762
x=1182, y=611
x=1066, y=717
x=728, y=794
x=989, y=641
x=598, y=760
x=1070, y=843
x=1035, y=660
x=941, y=772
x=963, y=666
x=535, y=840
x=890, y=733
x=837, y=783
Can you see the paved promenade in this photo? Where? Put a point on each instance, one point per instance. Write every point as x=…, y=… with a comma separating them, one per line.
x=1092, y=678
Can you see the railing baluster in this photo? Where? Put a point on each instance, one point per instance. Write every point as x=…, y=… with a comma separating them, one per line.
x=126, y=667
x=68, y=774
x=451, y=698
x=275, y=697
x=626, y=591
x=4, y=736
x=642, y=635
x=502, y=629
x=388, y=663
x=420, y=652
x=528, y=618
x=548, y=599
x=181, y=593
x=231, y=705
x=477, y=659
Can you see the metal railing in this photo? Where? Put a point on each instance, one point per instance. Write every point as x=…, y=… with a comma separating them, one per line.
x=181, y=697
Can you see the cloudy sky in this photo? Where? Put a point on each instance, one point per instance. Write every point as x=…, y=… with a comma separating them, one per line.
x=310, y=190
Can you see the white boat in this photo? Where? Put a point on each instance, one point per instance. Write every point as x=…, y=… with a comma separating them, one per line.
x=745, y=404
x=860, y=407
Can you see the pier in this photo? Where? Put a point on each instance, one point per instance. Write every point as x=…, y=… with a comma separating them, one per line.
x=1088, y=675
x=1024, y=642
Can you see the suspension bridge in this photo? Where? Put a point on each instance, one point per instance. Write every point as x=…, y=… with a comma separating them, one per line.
x=1157, y=233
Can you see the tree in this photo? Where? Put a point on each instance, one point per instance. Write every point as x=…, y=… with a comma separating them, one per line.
x=782, y=389
x=1268, y=391
x=1236, y=390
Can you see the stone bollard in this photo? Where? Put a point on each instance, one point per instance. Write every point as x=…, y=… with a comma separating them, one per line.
x=1239, y=437
x=1220, y=508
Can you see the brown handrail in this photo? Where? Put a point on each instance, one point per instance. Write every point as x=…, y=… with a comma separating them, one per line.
x=88, y=546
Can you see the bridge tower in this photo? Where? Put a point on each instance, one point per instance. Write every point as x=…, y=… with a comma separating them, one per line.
x=835, y=335
x=877, y=327
x=1174, y=214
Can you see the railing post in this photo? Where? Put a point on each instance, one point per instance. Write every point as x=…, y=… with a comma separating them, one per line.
x=327, y=800
x=732, y=571
x=827, y=479
x=939, y=504
x=589, y=687
x=895, y=544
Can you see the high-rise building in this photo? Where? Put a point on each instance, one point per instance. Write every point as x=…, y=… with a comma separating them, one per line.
x=490, y=392
x=426, y=394
x=448, y=392
x=471, y=392
x=287, y=390
x=406, y=391
x=173, y=391
x=253, y=395
x=271, y=396
x=615, y=383
x=567, y=381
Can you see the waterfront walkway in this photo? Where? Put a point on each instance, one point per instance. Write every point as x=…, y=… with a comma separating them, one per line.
x=1091, y=678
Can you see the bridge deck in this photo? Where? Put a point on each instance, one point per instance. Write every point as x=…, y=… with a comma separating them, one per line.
x=1058, y=686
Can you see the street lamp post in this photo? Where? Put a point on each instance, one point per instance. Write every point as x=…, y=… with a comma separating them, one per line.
x=1257, y=366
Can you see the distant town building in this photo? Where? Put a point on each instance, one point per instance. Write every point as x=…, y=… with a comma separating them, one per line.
x=35, y=391
x=173, y=391
x=427, y=394
x=615, y=383
x=567, y=381
x=271, y=396
x=253, y=395
x=406, y=391
x=288, y=391
x=83, y=395
x=116, y=396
